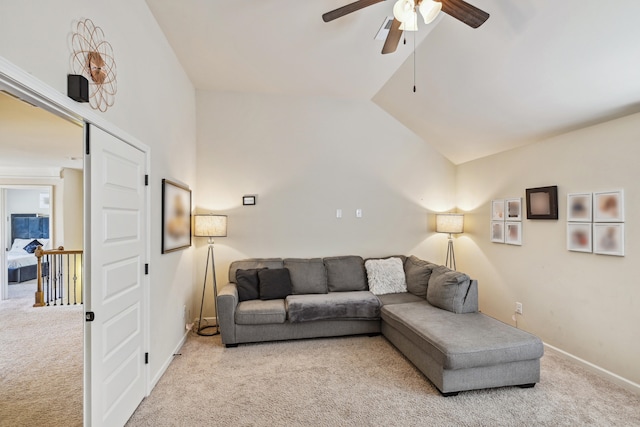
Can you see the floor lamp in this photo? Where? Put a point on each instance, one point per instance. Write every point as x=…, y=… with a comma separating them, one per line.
x=452, y=224
x=210, y=226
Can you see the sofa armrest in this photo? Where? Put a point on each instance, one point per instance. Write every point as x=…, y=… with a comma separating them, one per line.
x=226, y=306
x=470, y=304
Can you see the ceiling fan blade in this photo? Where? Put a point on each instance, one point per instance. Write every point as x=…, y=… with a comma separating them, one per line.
x=393, y=38
x=463, y=11
x=345, y=10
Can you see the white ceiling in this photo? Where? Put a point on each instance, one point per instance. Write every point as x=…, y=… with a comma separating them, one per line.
x=31, y=137
x=534, y=69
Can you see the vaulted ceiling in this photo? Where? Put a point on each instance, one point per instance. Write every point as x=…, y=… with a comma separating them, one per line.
x=536, y=68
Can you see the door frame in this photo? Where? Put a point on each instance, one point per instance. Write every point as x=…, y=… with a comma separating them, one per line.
x=22, y=84
x=5, y=230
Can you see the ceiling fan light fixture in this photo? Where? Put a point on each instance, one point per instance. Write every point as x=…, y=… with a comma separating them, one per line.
x=405, y=12
x=429, y=10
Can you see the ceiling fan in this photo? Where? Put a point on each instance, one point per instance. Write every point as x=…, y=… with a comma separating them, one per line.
x=406, y=12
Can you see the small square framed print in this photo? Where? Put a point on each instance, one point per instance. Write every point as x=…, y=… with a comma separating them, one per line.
x=542, y=202
x=579, y=207
x=249, y=200
x=513, y=233
x=497, y=231
x=608, y=239
x=608, y=206
x=579, y=236
x=497, y=210
x=513, y=209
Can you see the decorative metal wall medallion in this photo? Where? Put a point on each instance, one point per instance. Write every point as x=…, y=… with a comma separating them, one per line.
x=93, y=58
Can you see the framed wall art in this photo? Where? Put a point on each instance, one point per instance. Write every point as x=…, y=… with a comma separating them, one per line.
x=513, y=233
x=176, y=216
x=497, y=210
x=513, y=209
x=579, y=207
x=542, y=202
x=608, y=239
x=497, y=231
x=579, y=236
x=608, y=206
x=249, y=200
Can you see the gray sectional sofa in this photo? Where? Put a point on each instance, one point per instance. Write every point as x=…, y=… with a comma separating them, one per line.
x=428, y=312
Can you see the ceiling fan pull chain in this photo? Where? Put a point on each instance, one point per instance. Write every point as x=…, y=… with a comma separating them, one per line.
x=414, y=61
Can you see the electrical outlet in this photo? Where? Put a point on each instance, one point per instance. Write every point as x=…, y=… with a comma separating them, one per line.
x=519, y=307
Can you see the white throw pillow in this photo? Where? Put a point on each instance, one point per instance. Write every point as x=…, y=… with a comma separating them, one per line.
x=386, y=276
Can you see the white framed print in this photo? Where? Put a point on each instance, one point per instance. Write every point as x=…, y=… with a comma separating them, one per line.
x=497, y=231
x=579, y=207
x=513, y=209
x=608, y=239
x=513, y=233
x=497, y=210
x=608, y=206
x=579, y=237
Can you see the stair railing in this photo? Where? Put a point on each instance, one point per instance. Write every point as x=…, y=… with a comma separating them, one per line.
x=59, y=277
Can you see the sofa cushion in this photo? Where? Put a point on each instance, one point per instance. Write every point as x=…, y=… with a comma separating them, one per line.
x=448, y=290
x=345, y=273
x=248, y=284
x=308, y=276
x=385, y=276
x=418, y=272
x=246, y=264
x=274, y=283
x=334, y=305
x=459, y=341
x=399, y=298
x=258, y=312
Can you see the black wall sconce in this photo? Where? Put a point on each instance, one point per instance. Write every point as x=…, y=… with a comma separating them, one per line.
x=77, y=87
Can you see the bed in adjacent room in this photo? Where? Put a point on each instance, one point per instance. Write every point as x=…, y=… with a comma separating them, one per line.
x=28, y=231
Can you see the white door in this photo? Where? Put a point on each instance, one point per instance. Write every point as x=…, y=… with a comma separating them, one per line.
x=115, y=377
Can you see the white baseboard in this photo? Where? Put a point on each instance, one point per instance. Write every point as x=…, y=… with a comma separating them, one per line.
x=165, y=365
x=614, y=378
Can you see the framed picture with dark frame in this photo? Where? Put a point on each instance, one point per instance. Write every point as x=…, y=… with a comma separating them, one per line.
x=542, y=202
x=176, y=216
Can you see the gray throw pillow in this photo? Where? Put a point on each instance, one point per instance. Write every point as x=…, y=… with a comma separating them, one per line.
x=346, y=273
x=448, y=289
x=418, y=273
x=248, y=284
x=274, y=283
x=308, y=276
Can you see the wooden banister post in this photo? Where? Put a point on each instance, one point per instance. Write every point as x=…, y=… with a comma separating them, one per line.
x=39, y=294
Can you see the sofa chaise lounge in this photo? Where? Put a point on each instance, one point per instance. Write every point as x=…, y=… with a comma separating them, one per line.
x=428, y=312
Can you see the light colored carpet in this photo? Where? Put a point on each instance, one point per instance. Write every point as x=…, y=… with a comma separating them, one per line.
x=362, y=381
x=41, y=362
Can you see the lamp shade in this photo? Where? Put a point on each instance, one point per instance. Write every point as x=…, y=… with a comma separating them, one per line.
x=449, y=223
x=210, y=225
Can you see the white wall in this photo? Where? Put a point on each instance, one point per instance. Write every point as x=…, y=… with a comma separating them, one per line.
x=155, y=103
x=72, y=208
x=305, y=158
x=582, y=303
x=26, y=201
